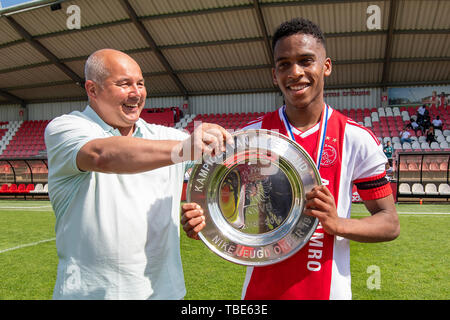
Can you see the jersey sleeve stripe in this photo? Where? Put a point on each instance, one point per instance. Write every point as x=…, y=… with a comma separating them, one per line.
x=373, y=178
x=375, y=187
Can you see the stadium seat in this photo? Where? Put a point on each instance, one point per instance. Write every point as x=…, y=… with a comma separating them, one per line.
x=4, y=188
x=407, y=146
x=397, y=146
x=444, y=145
x=38, y=188
x=404, y=188
x=430, y=189
x=416, y=146
x=403, y=166
x=417, y=189
x=434, y=166
x=30, y=187
x=12, y=188
x=444, y=189
x=413, y=166
x=435, y=146
x=45, y=187
x=425, y=146
x=405, y=116
x=21, y=188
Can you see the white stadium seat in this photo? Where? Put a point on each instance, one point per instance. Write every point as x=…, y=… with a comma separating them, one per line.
x=404, y=188
x=397, y=146
x=416, y=145
x=417, y=188
x=430, y=189
x=38, y=188
x=444, y=189
x=406, y=145
x=435, y=146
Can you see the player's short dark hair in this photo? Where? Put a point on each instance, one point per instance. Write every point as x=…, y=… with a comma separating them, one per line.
x=298, y=25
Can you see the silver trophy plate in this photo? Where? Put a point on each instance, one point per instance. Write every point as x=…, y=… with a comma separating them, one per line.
x=253, y=196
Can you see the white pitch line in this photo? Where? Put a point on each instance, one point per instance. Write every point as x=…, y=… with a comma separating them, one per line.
x=27, y=245
x=21, y=208
x=409, y=213
x=423, y=213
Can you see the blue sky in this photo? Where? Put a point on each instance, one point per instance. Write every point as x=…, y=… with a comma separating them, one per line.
x=10, y=3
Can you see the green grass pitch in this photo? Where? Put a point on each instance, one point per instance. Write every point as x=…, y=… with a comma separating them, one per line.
x=414, y=266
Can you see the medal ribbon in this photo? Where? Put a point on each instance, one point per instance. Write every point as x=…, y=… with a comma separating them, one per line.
x=322, y=133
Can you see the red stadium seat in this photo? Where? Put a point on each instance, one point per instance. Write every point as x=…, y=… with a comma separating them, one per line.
x=12, y=188
x=4, y=188
x=403, y=166
x=434, y=166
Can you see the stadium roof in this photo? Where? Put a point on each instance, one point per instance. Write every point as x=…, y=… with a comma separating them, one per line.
x=195, y=47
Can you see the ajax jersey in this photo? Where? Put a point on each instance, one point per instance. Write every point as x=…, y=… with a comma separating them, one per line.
x=351, y=154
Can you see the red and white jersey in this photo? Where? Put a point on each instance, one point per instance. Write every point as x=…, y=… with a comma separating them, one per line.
x=351, y=155
x=434, y=100
x=442, y=102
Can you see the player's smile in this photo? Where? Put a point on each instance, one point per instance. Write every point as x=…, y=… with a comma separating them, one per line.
x=298, y=88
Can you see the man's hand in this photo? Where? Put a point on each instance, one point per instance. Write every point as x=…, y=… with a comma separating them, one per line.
x=192, y=219
x=207, y=138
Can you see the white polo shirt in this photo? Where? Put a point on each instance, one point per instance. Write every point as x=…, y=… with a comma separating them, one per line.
x=117, y=235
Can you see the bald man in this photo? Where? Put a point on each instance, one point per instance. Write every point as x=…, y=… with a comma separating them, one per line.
x=115, y=184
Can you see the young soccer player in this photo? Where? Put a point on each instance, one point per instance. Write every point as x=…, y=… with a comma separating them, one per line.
x=345, y=153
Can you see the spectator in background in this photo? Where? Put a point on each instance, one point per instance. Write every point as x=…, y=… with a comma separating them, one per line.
x=437, y=123
x=388, y=150
x=423, y=116
x=430, y=135
x=421, y=111
x=389, y=171
x=433, y=100
x=443, y=101
x=413, y=125
x=405, y=135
